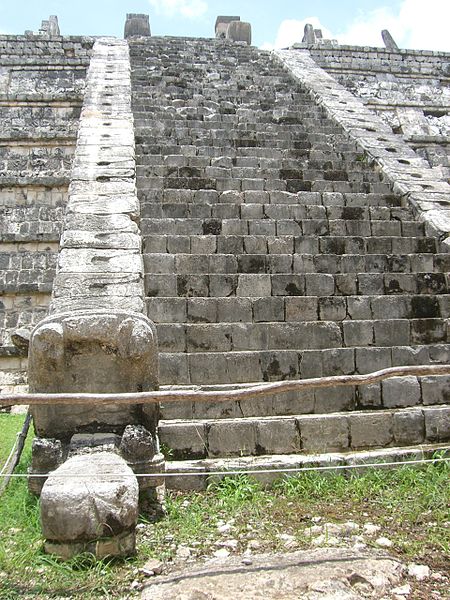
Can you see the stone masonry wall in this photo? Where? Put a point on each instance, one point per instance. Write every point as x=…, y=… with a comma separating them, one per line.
x=42, y=84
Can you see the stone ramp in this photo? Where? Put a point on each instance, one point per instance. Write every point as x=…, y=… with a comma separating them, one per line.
x=274, y=250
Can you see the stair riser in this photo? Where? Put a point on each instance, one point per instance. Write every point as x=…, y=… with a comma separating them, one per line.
x=398, y=392
x=308, y=434
x=205, y=368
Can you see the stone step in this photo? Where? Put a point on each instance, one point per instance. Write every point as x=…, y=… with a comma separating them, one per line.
x=243, y=173
x=305, y=284
x=320, y=153
x=398, y=392
x=315, y=433
x=212, y=148
x=244, y=116
x=340, y=205
x=299, y=335
x=222, y=184
x=215, y=262
x=198, y=205
x=209, y=368
x=210, y=243
x=296, y=308
x=275, y=227
x=193, y=474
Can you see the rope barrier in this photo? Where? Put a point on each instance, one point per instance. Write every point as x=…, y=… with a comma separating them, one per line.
x=240, y=392
x=251, y=471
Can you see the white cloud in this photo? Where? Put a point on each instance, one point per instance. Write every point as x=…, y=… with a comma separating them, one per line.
x=291, y=32
x=416, y=24
x=185, y=8
x=366, y=30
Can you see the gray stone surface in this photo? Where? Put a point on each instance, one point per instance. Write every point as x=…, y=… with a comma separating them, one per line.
x=313, y=574
x=325, y=434
x=239, y=31
x=388, y=40
x=89, y=497
x=222, y=23
x=136, y=24
x=371, y=430
x=437, y=424
x=400, y=392
x=409, y=427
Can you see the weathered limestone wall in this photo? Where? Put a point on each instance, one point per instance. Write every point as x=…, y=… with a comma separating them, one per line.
x=408, y=89
x=42, y=84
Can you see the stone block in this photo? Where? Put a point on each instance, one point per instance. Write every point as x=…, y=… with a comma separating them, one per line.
x=293, y=403
x=372, y=359
x=173, y=368
x=324, y=434
x=202, y=310
x=437, y=424
x=337, y=399
x=333, y=308
x=233, y=310
x=372, y=429
x=435, y=390
x=409, y=427
x=277, y=366
x=254, y=285
x=319, y=284
x=232, y=438
x=358, y=333
x=401, y=392
x=268, y=309
x=104, y=506
x=369, y=395
x=239, y=31
x=277, y=436
x=222, y=23
x=288, y=285
x=185, y=440
x=301, y=308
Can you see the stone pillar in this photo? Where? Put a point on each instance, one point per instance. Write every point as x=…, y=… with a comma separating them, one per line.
x=388, y=40
x=136, y=24
x=221, y=26
x=50, y=26
x=239, y=31
x=97, y=337
x=309, y=35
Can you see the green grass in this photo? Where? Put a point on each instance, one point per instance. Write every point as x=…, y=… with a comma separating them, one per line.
x=9, y=426
x=410, y=505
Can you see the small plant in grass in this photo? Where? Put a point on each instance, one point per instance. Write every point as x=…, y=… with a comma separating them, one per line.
x=235, y=490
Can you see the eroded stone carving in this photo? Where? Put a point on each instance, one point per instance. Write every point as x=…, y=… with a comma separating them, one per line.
x=89, y=498
x=65, y=347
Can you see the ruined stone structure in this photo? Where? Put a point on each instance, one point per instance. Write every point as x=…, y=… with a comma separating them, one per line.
x=276, y=216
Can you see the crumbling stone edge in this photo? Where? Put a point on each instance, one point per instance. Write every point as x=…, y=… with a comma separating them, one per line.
x=422, y=186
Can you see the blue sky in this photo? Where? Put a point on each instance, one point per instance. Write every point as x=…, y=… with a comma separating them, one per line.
x=419, y=24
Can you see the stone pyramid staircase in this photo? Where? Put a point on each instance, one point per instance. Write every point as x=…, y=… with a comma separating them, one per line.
x=273, y=251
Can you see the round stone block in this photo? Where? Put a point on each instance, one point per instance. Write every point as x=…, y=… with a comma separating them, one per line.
x=90, y=496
